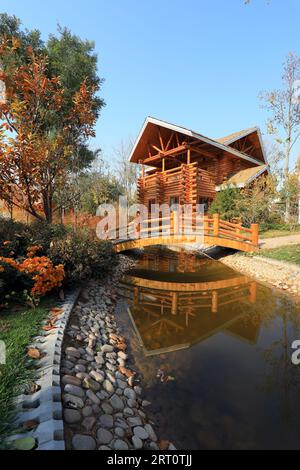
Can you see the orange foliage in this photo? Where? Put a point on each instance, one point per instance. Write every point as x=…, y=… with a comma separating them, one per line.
x=34, y=162
x=43, y=273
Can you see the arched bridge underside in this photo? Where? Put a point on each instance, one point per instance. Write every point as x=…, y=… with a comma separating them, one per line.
x=207, y=240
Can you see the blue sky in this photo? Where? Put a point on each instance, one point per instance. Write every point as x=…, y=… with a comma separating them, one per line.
x=197, y=63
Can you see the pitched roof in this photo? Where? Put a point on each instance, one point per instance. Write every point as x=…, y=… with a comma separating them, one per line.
x=139, y=147
x=228, y=139
x=243, y=178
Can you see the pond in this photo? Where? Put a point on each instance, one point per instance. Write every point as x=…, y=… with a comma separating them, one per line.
x=214, y=351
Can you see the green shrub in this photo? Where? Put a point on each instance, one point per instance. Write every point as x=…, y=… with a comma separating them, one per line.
x=21, y=236
x=43, y=234
x=83, y=255
x=12, y=283
x=225, y=204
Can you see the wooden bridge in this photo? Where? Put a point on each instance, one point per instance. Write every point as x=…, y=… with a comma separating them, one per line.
x=180, y=229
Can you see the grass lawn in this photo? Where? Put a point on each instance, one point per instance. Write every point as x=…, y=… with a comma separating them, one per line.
x=17, y=327
x=278, y=233
x=289, y=253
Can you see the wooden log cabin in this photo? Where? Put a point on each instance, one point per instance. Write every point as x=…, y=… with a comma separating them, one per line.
x=180, y=166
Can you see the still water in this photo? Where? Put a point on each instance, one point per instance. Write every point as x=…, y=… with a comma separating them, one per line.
x=214, y=351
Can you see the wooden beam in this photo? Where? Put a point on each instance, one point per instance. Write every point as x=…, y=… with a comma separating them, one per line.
x=160, y=140
x=169, y=141
x=157, y=148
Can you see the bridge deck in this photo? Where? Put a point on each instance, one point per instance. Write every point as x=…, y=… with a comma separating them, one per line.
x=171, y=230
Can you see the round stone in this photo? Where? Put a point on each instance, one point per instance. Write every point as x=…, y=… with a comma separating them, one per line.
x=128, y=412
x=71, y=416
x=107, y=348
x=108, y=386
x=82, y=442
x=88, y=423
x=107, y=408
x=70, y=379
x=97, y=376
x=135, y=421
x=90, y=383
x=137, y=442
x=72, y=401
x=73, y=352
x=91, y=395
x=122, y=355
x=74, y=390
x=151, y=432
x=106, y=421
x=116, y=402
x=119, y=432
x=120, y=445
x=129, y=393
x=87, y=411
x=104, y=436
x=140, y=432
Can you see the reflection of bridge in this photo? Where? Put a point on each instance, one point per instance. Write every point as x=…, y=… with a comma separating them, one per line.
x=174, y=229
x=172, y=315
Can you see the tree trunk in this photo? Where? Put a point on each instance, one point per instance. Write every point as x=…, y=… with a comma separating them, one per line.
x=48, y=210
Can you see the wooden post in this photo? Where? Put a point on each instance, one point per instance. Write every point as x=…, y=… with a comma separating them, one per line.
x=163, y=165
x=216, y=220
x=252, y=292
x=172, y=223
x=176, y=222
x=206, y=225
x=214, y=301
x=254, y=234
x=188, y=160
x=174, y=303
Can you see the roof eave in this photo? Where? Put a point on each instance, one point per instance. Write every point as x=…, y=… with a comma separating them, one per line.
x=191, y=133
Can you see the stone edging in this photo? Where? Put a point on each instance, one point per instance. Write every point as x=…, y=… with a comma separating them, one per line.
x=45, y=406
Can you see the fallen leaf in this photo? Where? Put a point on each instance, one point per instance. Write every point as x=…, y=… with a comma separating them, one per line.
x=121, y=346
x=56, y=310
x=164, y=445
x=33, y=353
x=26, y=443
x=126, y=372
x=48, y=327
x=30, y=424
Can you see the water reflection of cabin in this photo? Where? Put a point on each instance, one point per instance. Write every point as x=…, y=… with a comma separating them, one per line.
x=182, y=166
x=170, y=314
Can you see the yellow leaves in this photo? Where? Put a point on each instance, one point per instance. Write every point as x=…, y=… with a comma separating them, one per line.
x=16, y=43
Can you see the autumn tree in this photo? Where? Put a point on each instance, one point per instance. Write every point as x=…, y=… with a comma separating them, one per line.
x=71, y=59
x=284, y=108
x=34, y=154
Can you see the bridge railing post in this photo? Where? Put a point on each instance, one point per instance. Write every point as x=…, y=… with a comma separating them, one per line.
x=216, y=224
x=254, y=234
x=206, y=225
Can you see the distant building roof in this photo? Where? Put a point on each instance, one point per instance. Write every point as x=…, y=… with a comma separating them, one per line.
x=243, y=178
x=228, y=139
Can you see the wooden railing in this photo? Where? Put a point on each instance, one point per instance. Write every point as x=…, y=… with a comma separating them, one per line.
x=196, y=225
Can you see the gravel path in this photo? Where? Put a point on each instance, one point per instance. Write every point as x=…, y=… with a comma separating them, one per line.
x=102, y=398
x=276, y=242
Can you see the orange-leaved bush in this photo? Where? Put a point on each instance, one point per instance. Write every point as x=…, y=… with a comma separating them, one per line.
x=44, y=274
